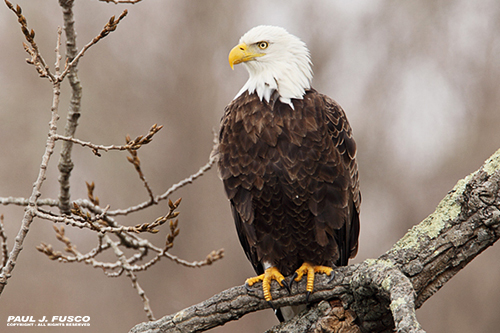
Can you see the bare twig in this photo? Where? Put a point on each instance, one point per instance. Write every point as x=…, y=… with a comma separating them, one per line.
x=25, y=202
x=109, y=27
x=36, y=58
x=210, y=259
x=90, y=193
x=57, y=64
x=3, y=239
x=142, y=295
x=143, y=140
x=173, y=188
x=81, y=222
x=48, y=250
x=135, y=283
x=133, y=144
x=31, y=209
x=136, y=162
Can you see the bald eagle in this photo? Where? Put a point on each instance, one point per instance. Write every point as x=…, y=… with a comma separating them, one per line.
x=287, y=159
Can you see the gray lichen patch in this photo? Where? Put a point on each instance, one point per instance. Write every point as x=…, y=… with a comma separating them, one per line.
x=493, y=163
x=447, y=210
x=383, y=262
x=397, y=303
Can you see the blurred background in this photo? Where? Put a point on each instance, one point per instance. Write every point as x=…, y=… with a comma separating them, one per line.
x=418, y=80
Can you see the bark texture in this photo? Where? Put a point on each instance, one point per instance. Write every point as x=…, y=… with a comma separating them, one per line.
x=377, y=295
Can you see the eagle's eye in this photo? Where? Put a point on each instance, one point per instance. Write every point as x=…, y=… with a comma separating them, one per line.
x=263, y=45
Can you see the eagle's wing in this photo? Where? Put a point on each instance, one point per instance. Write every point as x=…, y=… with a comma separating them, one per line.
x=234, y=170
x=340, y=130
x=250, y=251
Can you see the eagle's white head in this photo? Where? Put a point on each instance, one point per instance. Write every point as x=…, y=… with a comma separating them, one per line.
x=275, y=60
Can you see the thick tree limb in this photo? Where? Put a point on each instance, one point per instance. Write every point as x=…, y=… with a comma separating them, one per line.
x=379, y=294
x=65, y=163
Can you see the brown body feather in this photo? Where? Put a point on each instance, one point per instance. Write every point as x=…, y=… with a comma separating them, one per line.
x=292, y=179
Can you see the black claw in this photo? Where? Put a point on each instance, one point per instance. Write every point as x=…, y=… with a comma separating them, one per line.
x=247, y=287
x=293, y=279
x=307, y=296
x=271, y=305
x=286, y=285
x=331, y=277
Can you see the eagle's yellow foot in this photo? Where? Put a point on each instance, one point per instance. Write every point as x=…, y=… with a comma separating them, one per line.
x=309, y=270
x=270, y=274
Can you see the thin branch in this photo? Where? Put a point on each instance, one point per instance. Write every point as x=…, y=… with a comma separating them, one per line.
x=68, y=220
x=3, y=239
x=211, y=258
x=136, y=162
x=128, y=264
x=133, y=278
x=142, y=295
x=133, y=144
x=36, y=58
x=109, y=27
x=31, y=209
x=57, y=64
x=78, y=257
x=25, y=202
x=83, y=220
x=93, y=198
x=173, y=188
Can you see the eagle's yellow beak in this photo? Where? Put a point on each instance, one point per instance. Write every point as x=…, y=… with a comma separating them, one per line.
x=240, y=53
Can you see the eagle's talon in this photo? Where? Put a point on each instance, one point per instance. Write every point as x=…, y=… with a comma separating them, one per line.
x=292, y=278
x=285, y=284
x=309, y=270
x=271, y=305
x=270, y=274
x=247, y=287
x=332, y=277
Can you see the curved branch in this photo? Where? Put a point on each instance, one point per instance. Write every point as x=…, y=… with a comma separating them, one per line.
x=383, y=293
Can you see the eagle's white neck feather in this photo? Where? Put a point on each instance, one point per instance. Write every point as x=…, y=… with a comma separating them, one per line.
x=285, y=67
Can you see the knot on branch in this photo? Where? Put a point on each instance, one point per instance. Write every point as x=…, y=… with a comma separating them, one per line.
x=383, y=281
x=482, y=195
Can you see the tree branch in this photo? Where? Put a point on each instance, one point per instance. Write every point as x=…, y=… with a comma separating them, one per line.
x=65, y=163
x=30, y=211
x=131, y=144
x=3, y=241
x=173, y=188
x=72, y=57
x=382, y=293
x=36, y=58
x=94, y=217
